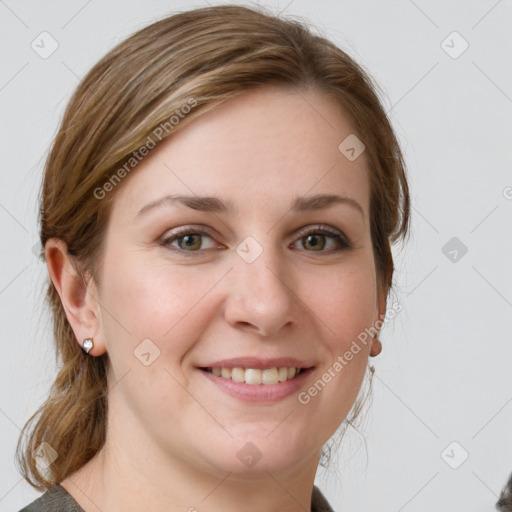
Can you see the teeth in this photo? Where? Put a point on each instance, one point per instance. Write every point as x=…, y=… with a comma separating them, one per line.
x=257, y=376
x=237, y=374
x=270, y=376
x=252, y=376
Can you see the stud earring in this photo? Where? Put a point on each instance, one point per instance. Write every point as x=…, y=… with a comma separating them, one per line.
x=376, y=347
x=87, y=345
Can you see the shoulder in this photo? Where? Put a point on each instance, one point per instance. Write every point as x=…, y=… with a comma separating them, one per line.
x=318, y=502
x=56, y=498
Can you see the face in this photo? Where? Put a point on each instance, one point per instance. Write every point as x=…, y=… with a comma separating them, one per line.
x=258, y=277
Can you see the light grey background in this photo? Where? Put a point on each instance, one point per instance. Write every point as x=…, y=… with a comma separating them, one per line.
x=445, y=371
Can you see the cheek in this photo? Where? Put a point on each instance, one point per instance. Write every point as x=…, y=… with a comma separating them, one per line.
x=153, y=316
x=154, y=300
x=344, y=308
x=344, y=303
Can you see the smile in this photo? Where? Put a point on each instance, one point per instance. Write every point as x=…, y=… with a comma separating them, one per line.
x=255, y=376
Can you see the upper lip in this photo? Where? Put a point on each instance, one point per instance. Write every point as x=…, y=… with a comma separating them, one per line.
x=258, y=363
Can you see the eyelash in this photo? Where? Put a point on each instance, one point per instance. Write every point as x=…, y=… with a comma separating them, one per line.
x=343, y=243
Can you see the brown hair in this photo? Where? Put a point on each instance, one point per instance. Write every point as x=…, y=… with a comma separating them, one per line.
x=201, y=57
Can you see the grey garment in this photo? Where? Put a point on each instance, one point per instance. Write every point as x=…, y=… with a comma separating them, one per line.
x=505, y=502
x=318, y=502
x=57, y=499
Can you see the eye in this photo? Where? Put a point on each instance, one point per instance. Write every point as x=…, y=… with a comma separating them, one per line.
x=189, y=240
x=313, y=239
x=319, y=238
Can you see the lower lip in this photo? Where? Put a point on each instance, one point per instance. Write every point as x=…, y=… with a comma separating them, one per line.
x=259, y=392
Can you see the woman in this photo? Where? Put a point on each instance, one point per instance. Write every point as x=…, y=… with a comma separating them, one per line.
x=217, y=215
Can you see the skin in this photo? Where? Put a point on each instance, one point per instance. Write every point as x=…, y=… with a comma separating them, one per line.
x=173, y=436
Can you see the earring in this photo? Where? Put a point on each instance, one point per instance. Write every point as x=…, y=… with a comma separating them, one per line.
x=376, y=347
x=87, y=345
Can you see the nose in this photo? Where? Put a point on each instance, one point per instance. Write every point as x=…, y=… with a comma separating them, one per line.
x=261, y=295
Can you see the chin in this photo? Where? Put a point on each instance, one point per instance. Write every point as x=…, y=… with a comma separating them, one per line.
x=256, y=455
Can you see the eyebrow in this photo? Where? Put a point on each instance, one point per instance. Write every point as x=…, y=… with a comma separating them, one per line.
x=216, y=205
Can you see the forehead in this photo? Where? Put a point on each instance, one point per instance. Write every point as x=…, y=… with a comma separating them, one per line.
x=260, y=149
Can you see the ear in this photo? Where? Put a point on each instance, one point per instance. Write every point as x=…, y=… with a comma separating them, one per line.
x=78, y=298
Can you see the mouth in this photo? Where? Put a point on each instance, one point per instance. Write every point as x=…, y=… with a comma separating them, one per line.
x=256, y=376
x=263, y=385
